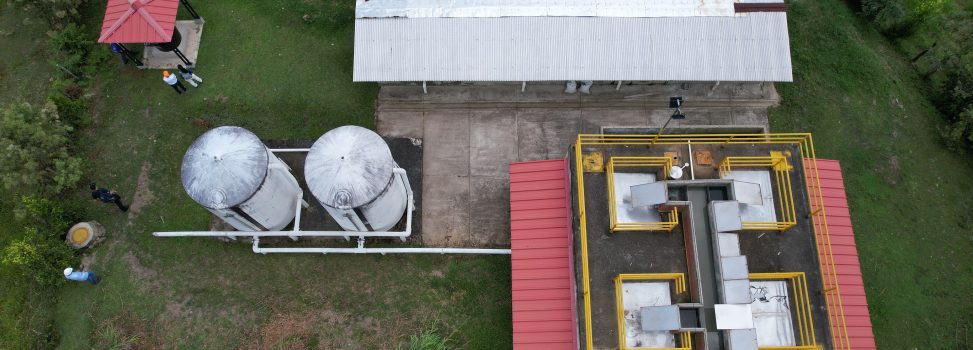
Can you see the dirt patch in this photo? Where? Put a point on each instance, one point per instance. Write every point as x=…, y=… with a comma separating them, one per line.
x=123, y=331
x=89, y=259
x=144, y=276
x=890, y=170
x=298, y=331
x=143, y=195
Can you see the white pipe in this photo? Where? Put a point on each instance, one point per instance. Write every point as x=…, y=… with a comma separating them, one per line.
x=362, y=250
x=278, y=234
x=410, y=206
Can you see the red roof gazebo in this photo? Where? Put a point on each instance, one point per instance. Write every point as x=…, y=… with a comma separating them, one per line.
x=139, y=21
x=144, y=21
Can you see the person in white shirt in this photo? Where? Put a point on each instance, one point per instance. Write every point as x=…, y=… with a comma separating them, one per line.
x=173, y=81
x=81, y=276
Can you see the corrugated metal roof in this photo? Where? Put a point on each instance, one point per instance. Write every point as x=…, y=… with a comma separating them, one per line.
x=541, y=275
x=851, y=288
x=541, y=8
x=141, y=21
x=750, y=47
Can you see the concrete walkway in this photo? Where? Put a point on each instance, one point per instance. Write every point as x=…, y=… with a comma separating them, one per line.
x=467, y=150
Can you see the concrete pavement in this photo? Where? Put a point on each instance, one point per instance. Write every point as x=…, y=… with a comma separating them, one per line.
x=469, y=144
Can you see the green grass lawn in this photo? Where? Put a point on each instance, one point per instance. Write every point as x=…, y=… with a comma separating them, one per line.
x=909, y=195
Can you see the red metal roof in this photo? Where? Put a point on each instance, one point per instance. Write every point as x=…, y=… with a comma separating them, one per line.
x=139, y=21
x=542, y=272
x=846, y=265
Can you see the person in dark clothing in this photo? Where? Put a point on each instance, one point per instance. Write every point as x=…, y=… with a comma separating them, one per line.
x=117, y=49
x=107, y=196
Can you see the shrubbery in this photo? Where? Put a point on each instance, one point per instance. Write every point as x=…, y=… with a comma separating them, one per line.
x=77, y=53
x=35, y=153
x=946, y=59
x=41, y=253
x=900, y=18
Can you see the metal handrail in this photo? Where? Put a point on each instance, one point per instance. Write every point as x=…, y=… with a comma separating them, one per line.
x=678, y=279
x=665, y=163
x=801, y=307
x=785, y=194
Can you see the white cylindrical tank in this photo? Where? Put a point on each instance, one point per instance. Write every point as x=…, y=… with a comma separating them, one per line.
x=233, y=175
x=350, y=171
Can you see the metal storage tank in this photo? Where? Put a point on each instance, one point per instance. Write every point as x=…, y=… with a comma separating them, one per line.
x=350, y=170
x=235, y=176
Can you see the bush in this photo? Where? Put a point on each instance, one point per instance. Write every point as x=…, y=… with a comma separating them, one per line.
x=35, y=157
x=38, y=258
x=959, y=133
x=77, y=53
x=48, y=214
x=40, y=254
x=72, y=107
x=900, y=18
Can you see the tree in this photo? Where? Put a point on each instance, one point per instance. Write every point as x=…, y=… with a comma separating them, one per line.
x=34, y=155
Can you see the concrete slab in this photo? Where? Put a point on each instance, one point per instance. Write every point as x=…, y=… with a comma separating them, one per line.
x=546, y=133
x=471, y=133
x=400, y=124
x=192, y=32
x=489, y=211
x=595, y=119
x=447, y=143
x=493, y=142
x=446, y=210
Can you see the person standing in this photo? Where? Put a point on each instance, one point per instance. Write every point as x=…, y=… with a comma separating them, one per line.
x=189, y=76
x=571, y=86
x=107, y=196
x=173, y=82
x=81, y=276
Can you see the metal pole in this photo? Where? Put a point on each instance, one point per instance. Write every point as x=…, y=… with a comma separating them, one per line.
x=182, y=57
x=128, y=53
x=192, y=11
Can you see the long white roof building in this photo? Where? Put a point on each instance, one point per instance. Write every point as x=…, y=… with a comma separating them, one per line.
x=534, y=40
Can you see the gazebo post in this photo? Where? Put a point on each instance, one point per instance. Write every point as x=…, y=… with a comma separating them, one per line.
x=181, y=56
x=130, y=55
x=192, y=11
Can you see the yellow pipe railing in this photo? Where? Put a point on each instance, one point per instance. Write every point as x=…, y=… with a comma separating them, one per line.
x=782, y=176
x=832, y=294
x=665, y=163
x=678, y=279
x=801, y=306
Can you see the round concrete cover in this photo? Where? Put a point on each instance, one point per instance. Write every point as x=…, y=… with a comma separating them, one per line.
x=348, y=167
x=224, y=167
